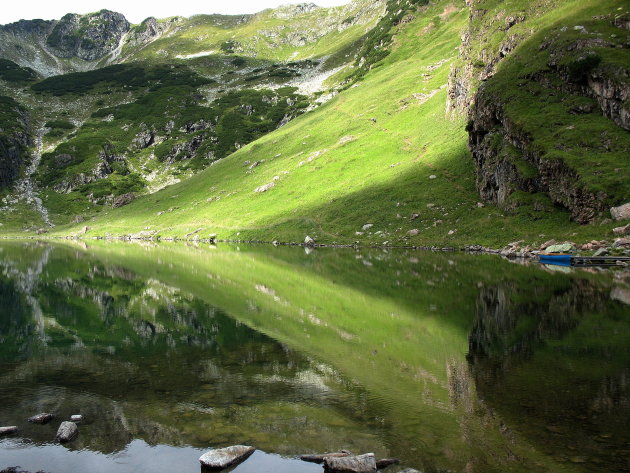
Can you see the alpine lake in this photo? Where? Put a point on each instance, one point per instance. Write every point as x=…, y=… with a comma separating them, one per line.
x=449, y=362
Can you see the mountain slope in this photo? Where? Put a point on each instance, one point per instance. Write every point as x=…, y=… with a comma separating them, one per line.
x=384, y=152
x=457, y=123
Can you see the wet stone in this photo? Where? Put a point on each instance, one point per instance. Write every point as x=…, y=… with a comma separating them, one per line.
x=76, y=418
x=67, y=432
x=42, y=418
x=385, y=462
x=354, y=464
x=224, y=457
x=319, y=458
x=8, y=430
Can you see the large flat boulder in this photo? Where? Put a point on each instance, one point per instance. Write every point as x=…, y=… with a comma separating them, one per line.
x=354, y=464
x=224, y=457
x=67, y=432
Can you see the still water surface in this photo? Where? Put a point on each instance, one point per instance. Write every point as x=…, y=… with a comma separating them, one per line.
x=449, y=362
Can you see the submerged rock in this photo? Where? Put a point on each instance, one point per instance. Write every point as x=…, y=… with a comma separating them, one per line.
x=224, y=457
x=67, y=432
x=354, y=464
x=385, y=462
x=319, y=458
x=42, y=418
x=8, y=430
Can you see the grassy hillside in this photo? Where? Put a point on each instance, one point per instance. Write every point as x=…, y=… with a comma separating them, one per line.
x=383, y=152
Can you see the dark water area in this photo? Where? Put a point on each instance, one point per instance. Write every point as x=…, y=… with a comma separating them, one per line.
x=450, y=362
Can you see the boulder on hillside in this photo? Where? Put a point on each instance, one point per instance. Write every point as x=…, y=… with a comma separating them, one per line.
x=354, y=464
x=625, y=230
x=123, y=199
x=621, y=213
x=224, y=457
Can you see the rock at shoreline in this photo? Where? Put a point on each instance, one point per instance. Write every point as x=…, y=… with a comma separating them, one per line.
x=563, y=248
x=67, y=432
x=8, y=430
x=224, y=457
x=42, y=418
x=308, y=241
x=354, y=464
x=320, y=458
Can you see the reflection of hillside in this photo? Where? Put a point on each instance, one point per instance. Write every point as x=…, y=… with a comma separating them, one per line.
x=555, y=366
x=386, y=337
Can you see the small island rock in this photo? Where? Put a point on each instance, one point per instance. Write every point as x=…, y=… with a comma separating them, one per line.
x=42, y=418
x=224, y=457
x=67, y=432
x=8, y=430
x=353, y=464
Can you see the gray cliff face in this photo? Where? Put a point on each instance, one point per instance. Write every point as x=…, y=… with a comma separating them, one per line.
x=88, y=37
x=14, y=145
x=502, y=151
x=39, y=44
x=507, y=159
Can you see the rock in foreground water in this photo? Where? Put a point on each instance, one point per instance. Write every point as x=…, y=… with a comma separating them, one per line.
x=8, y=430
x=385, y=462
x=354, y=464
x=42, y=418
x=224, y=457
x=319, y=458
x=67, y=432
x=76, y=418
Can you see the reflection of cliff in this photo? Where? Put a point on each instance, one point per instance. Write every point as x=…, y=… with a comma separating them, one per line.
x=556, y=367
x=512, y=321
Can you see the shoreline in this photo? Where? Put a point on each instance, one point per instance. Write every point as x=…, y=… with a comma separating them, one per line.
x=510, y=251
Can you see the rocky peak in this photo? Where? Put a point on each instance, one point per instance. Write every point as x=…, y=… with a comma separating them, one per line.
x=286, y=12
x=88, y=37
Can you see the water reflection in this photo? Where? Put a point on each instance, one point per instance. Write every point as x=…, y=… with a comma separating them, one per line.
x=449, y=362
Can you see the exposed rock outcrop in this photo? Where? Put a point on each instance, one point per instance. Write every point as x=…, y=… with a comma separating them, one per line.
x=14, y=140
x=508, y=155
x=500, y=147
x=88, y=37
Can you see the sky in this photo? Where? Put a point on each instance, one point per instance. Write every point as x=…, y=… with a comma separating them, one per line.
x=136, y=11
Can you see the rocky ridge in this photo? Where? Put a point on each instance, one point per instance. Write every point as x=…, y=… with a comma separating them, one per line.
x=508, y=157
